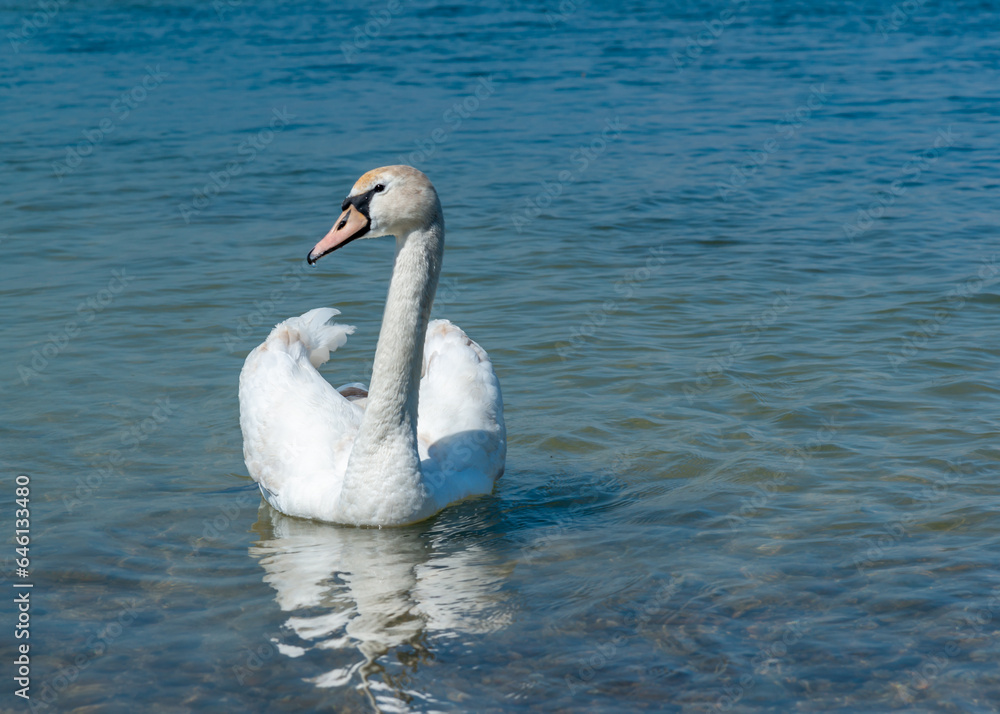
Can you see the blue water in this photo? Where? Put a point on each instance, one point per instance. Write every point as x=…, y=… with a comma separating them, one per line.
x=736, y=266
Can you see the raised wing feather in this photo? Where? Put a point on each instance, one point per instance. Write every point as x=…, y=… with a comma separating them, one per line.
x=461, y=436
x=298, y=431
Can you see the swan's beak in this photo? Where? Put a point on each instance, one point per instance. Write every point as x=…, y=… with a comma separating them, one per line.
x=351, y=224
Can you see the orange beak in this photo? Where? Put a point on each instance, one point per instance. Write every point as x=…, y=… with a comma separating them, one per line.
x=351, y=224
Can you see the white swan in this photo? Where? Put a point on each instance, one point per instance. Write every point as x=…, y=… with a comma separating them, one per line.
x=430, y=429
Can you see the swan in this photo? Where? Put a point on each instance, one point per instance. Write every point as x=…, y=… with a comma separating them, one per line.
x=428, y=432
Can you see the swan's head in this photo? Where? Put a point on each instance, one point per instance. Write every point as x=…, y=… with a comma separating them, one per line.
x=390, y=201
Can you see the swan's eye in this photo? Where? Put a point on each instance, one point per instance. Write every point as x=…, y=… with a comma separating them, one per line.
x=379, y=188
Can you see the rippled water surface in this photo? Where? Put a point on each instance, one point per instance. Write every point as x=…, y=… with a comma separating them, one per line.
x=735, y=263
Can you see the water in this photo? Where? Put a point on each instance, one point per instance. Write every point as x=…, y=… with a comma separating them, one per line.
x=747, y=343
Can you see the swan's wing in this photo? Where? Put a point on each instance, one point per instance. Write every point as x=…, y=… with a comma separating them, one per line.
x=297, y=429
x=460, y=430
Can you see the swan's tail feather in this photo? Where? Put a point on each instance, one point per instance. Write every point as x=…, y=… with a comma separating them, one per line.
x=314, y=332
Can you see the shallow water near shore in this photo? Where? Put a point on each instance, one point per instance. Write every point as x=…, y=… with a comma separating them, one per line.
x=735, y=264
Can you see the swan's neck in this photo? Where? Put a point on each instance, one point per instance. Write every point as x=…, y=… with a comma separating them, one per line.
x=395, y=384
x=384, y=458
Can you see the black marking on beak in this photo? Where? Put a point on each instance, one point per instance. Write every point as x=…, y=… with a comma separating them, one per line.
x=360, y=202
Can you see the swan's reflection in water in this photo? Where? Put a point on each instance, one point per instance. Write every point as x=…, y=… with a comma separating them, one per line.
x=376, y=590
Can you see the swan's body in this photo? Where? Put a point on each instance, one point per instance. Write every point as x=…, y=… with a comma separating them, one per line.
x=430, y=430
